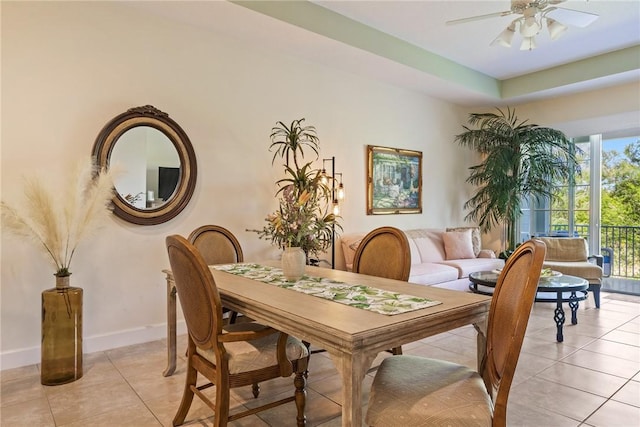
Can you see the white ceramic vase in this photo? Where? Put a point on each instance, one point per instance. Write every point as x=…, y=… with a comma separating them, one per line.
x=293, y=262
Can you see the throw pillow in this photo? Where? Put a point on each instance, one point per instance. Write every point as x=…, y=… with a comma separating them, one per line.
x=457, y=244
x=355, y=244
x=476, y=237
x=350, y=243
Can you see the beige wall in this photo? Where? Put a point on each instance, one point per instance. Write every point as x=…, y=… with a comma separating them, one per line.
x=68, y=68
x=588, y=113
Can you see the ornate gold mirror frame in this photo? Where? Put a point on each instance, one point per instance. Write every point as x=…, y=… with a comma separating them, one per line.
x=123, y=129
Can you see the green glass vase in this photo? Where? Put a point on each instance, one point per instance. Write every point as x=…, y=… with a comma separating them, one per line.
x=61, y=357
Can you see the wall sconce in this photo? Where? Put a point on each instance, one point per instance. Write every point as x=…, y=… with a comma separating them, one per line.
x=337, y=197
x=324, y=179
x=340, y=189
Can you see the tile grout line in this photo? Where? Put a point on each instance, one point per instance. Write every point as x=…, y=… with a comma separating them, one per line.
x=132, y=388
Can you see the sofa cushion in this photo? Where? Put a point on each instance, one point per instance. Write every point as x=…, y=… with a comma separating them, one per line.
x=431, y=273
x=429, y=244
x=476, y=237
x=486, y=253
x=349, y=243
x=565, y=248
x=590, y=272
x=458, y=245
x=415, y=253
x=466, y=266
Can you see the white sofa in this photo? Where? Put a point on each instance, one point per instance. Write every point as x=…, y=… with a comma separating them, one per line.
x=439, y=257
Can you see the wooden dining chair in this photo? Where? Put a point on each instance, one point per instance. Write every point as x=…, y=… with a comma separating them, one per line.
x=217, y=245
x=384, y=252
x=411, y=390
x=231, y=355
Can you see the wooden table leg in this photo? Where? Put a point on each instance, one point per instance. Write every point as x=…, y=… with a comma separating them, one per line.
x=171, y=325
x=352, y=369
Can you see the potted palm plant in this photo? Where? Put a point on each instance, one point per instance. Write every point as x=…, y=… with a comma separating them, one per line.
x=519, y=160
x=304, y=218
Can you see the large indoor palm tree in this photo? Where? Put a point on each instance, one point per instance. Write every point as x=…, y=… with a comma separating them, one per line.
x=519, y=160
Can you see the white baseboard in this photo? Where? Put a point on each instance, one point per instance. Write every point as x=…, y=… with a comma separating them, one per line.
x=29, y=356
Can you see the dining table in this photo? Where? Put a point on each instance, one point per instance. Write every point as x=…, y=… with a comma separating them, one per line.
x=351, y=335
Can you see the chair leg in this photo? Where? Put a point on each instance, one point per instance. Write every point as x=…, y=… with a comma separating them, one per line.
x=595, y=288
x=233, y=317
x=255, y=389
x=221, y=417
x=300, y=397
x=187, y=395
x=396, y=351
x=308, y=345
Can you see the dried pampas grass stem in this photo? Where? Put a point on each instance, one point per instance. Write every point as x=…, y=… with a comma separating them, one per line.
x=58, y=220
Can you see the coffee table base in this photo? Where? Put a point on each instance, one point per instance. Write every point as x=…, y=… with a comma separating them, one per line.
x=567, y=289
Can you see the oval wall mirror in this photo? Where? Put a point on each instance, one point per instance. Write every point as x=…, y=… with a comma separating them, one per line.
x=158, y=165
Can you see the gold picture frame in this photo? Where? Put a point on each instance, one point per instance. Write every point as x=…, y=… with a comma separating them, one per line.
x=394, y=181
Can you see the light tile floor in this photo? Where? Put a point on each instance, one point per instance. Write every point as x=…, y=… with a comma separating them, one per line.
x=591, y=379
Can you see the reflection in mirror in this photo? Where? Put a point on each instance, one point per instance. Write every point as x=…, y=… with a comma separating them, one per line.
x=152, y=167
x=158, y=160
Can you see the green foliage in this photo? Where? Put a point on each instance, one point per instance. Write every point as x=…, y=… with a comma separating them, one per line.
x=519, y=160
x=303, y=217
x=621, y=186
x=291, y=140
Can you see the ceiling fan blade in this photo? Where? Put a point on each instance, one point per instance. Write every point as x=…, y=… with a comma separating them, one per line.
x=479, y=17
x=577, y=18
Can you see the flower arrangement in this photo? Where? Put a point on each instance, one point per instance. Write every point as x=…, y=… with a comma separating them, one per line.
x=304, y=218
x=58, y=221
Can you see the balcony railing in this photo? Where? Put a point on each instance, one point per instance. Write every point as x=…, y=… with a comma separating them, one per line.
x=625, y=243
x=623, y=240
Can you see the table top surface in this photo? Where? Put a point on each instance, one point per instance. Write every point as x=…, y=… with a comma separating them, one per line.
x=554, y=283
x=311, y=318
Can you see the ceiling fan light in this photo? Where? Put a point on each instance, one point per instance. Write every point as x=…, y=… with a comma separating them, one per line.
x=529, y=27
x=555, y=28
x=528, y=43
x=506, y=37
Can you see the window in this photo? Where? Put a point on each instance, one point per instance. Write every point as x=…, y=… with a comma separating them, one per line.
x=567, y=213
x=576, y=206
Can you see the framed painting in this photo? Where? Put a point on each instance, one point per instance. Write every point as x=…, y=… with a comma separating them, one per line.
x=394, y=181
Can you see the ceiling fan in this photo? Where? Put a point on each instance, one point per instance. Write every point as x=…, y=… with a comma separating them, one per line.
x=533, y=14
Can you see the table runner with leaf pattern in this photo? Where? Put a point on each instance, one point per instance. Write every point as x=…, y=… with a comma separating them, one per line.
x=360, y=296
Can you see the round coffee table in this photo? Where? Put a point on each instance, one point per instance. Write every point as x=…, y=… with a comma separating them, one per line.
x=558, y=288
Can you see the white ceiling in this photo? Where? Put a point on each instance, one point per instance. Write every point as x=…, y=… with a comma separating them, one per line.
x=419, y=28
x=422, y=23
